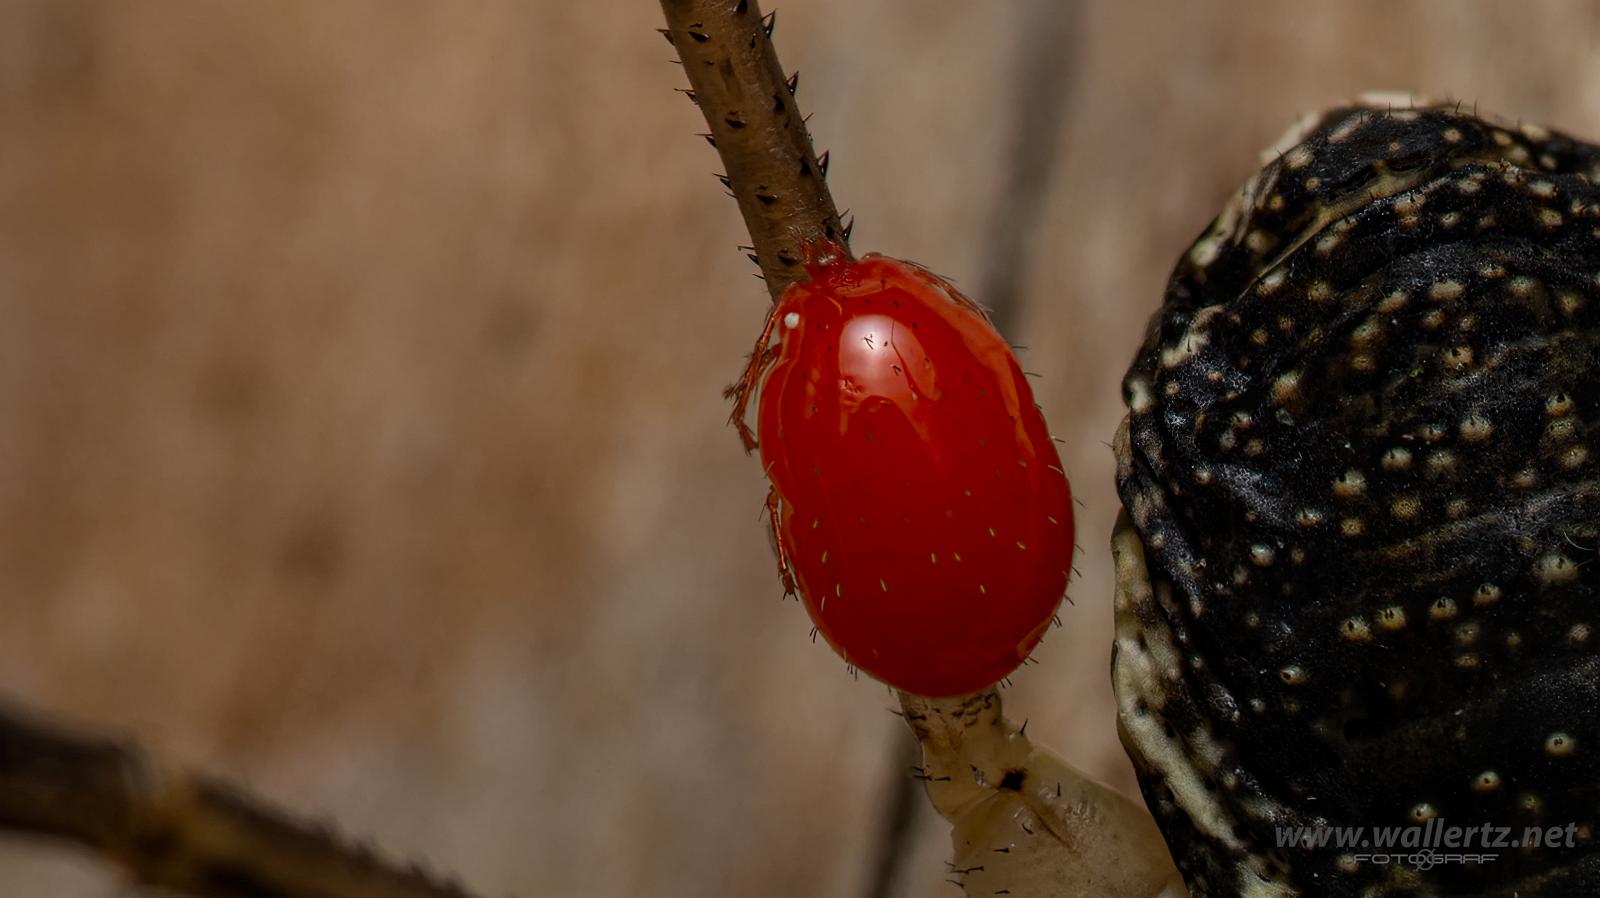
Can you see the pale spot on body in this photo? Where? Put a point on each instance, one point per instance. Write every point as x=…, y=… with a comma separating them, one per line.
x=1350, y=484
x=1406, y=508
x=1446, y=291
x=1355, y=629
x=1392, y=618
x=1555, y=569
x=1394, y=302
x=1476, y=428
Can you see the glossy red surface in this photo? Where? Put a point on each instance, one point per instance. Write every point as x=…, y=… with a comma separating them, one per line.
x=922, y=506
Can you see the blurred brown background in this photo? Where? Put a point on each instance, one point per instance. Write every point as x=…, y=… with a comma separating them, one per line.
x=360, y=360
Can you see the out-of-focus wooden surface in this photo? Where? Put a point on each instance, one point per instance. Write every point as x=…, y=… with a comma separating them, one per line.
x=360, y=427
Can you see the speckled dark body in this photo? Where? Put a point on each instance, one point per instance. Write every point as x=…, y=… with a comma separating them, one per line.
x=1362, y=460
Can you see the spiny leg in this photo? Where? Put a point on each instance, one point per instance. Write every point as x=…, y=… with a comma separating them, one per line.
x=761, y=358
x=779, y=548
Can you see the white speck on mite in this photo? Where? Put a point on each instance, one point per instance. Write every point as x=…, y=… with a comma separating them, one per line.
x=791, y=320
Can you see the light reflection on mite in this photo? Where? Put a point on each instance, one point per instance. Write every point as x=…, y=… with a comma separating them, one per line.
x=884, y=362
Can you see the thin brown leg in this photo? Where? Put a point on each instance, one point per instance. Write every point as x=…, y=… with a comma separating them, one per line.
x=761, y=358
x=775, y=521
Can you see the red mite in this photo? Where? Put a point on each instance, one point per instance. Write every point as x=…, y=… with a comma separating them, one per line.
x=917, y=500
